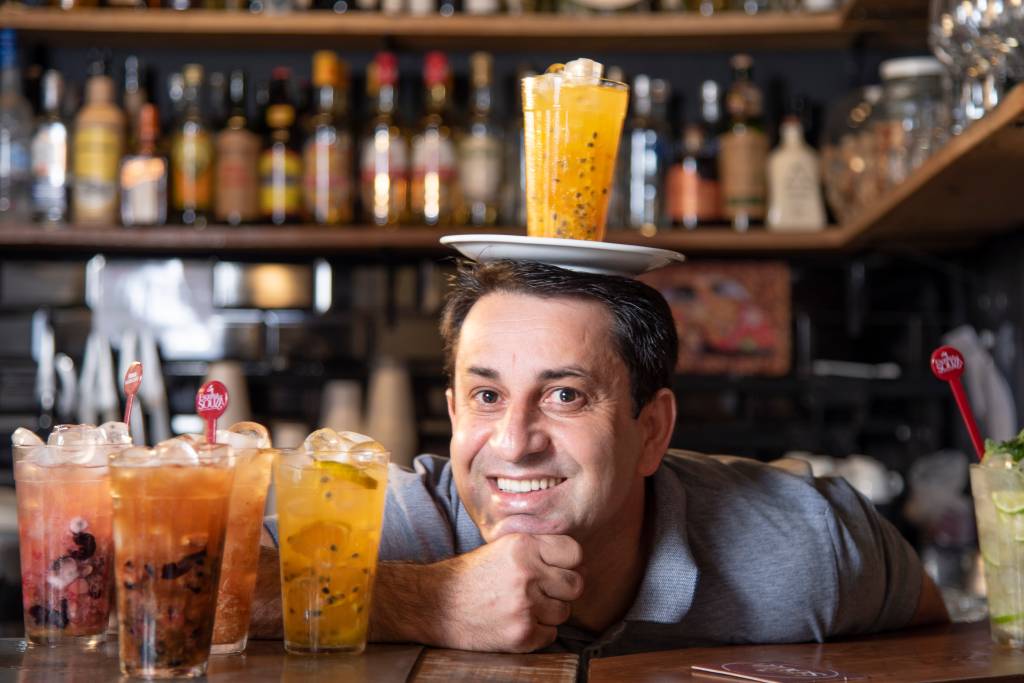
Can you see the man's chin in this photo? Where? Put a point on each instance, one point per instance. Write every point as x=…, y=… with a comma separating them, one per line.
x=527, y=524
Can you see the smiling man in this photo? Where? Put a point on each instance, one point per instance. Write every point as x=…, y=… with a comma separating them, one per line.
x=562, y=520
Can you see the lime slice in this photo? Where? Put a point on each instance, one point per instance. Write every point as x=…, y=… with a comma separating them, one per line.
x=1010, y=502
x=347, y=472
x=1008, y=618
x=320, y=536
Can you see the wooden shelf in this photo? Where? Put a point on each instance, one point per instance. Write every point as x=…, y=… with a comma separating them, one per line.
x=300, y=240
x=964, y=193
x=314, y=29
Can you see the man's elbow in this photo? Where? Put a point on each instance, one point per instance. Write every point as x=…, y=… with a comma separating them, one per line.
x=930, y=607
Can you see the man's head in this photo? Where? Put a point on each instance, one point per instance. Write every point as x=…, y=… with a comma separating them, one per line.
x=560, y=381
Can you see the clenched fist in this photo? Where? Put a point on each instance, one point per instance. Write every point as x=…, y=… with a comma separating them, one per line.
x=506, y=596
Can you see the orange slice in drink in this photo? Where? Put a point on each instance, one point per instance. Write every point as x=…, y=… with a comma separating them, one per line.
x=320, y=539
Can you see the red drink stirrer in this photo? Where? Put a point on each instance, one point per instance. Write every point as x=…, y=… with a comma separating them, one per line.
x=132, y=380
x=948, y=365
x=211, y=402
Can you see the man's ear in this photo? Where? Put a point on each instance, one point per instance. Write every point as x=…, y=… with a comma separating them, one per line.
x=450, y=397
x=658, y=419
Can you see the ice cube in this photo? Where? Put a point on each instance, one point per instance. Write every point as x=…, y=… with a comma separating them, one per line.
x=87, y=455
x=75, y=436
x=253, y=431
x=323, y=440
x=177, y=450
x=361, y=442
x=998, y=460
x=116, y=433
x=583, y=70
x=25, y=437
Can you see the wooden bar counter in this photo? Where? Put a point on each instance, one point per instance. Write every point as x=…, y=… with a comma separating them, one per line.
x=267, y=662
x=957, y=652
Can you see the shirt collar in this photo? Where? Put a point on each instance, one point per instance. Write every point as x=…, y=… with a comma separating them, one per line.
x=670, y=580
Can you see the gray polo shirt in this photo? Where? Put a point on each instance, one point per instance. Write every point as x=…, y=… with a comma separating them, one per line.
x=742, y=552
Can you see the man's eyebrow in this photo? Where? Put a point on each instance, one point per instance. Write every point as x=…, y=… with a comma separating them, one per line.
x=486, y=373
x=562, y=373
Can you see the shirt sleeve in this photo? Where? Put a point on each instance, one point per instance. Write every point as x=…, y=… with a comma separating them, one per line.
x=878, y=574
x=418, y=513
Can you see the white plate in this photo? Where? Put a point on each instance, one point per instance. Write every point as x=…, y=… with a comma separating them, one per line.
x=603, y=258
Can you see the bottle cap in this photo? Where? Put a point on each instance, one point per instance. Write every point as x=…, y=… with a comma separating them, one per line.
x=435, y=68
x=741, y=62
x=281, y=73
x=480, y=69
x=193, y=74
x=99, y=89
x=325, y=68
x=149, y=123
x=386, y=67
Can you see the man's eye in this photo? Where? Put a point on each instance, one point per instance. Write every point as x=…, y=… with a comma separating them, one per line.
x=487, y=396
x=566, y=395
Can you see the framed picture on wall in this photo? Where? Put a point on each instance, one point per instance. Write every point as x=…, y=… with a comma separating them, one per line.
x=731, y=317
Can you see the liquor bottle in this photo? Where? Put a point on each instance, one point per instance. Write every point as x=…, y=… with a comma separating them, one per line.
x=220, y=105
x=480, y=153
x=481, y=6
x=646, y=148
x=744, y=150
x=794, y=182
x=192, y=155
x=15, y=136
x=99, y=142
x=144, y=176
x=384, y=160
x=237, y=199
x=433, y=152
x=134, y=97
x=514, y=192
x=280, y=163
x=692, y=190
x=50, y=155
x=327, y=155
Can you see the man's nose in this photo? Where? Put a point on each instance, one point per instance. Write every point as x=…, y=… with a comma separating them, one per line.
x=518, y=434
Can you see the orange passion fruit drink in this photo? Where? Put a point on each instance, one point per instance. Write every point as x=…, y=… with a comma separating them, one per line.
x=170, y=517
x=572, y=124
x=330, y=506
x=250, y=443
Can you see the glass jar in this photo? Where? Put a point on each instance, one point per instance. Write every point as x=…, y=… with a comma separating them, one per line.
x=848, y=158
x=914, y=122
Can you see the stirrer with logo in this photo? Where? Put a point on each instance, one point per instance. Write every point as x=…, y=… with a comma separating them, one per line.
x=948, y=365
x=132, y=380
x=211, y=402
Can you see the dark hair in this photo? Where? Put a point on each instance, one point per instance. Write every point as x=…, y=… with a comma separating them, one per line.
x=642, y=326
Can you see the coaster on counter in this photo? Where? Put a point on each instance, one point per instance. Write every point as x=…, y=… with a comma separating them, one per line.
x=773, y=672
x=601, y=258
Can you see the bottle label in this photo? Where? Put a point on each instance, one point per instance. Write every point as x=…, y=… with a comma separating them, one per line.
x=480, y=168
x=743, y=161
x=97, y=155
x=691, y=198
x=433, y=174
x=327, y=181
x=192, y=164
x=143, y=191
x=238, y=183
x=280, y=183
x=384, y=176
x=49, y=171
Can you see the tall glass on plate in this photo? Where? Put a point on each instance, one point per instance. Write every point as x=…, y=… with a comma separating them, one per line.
x=64, y=530
x=997, y=485
x=572, y=123
x=250, y=443
x=330, y=505
x=170, y=516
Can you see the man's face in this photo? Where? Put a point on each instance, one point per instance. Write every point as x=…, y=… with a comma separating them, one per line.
x=544, y=439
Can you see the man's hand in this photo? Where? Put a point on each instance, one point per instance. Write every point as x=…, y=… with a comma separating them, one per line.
x=506, y=596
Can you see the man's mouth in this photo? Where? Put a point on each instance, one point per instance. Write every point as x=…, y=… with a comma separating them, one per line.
x=506, y=485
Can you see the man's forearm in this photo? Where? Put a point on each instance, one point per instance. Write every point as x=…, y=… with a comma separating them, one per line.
x=409, y=603
x=265, y=623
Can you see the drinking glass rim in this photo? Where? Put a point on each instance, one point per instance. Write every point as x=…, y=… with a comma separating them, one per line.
x=21, y=453
x=605, y=82
x=218, y=454
x=383, y=457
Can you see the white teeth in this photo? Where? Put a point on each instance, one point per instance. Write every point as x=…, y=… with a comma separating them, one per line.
x=527, y=485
